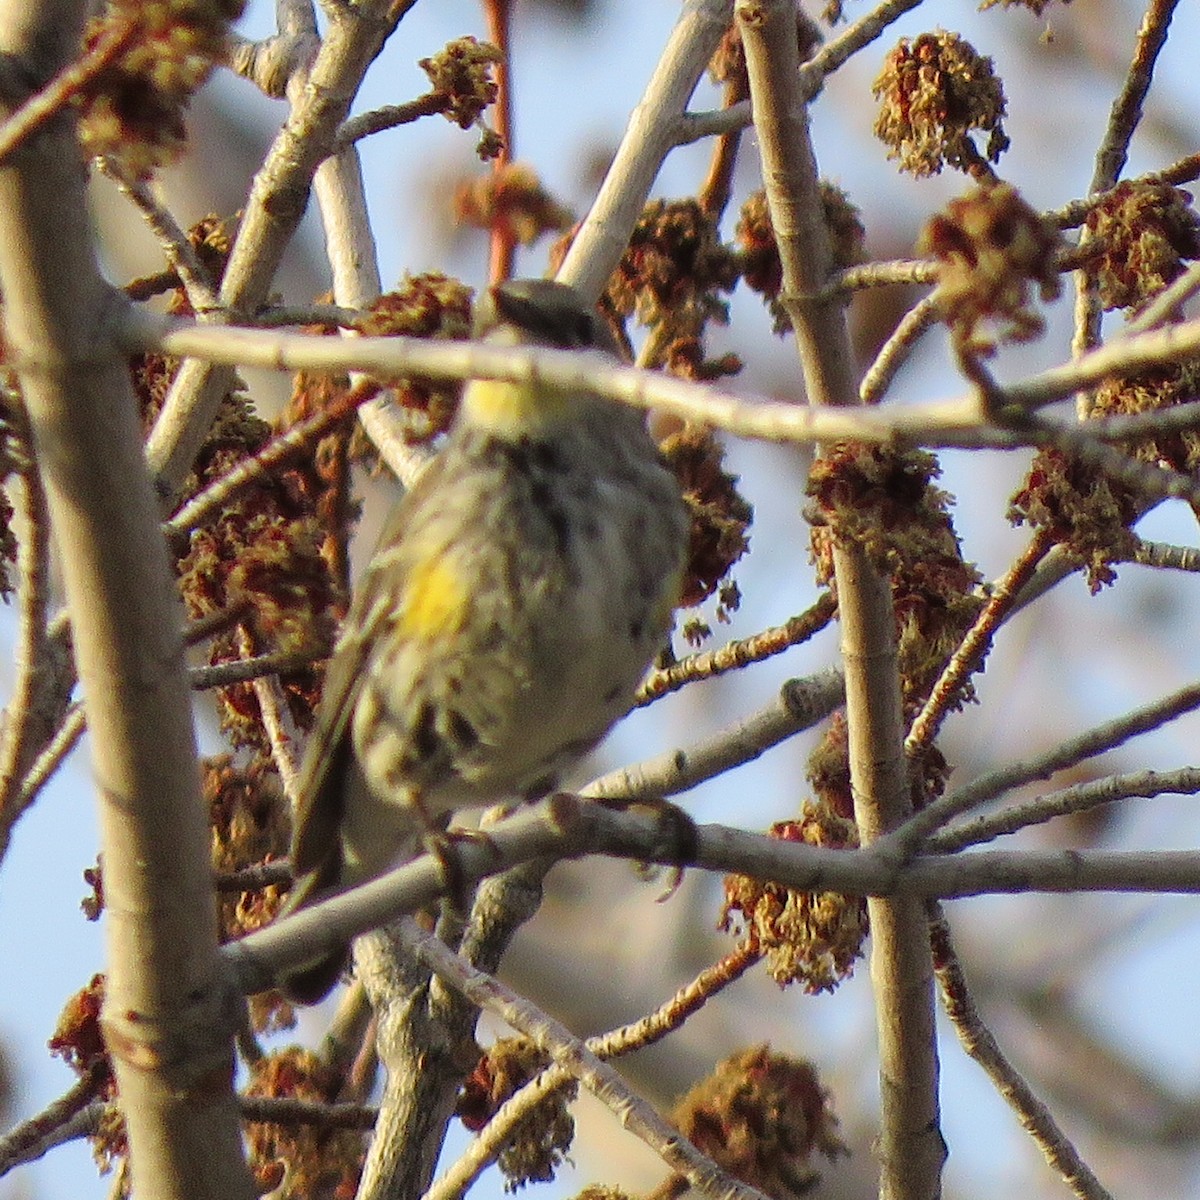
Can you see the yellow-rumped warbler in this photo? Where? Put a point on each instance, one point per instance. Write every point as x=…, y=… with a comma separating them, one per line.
x=517, y=595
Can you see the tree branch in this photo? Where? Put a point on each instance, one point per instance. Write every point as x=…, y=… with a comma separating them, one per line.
x=167, y=1018
x=911, y=1149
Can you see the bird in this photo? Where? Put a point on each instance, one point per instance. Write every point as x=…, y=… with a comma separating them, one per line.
x=519, y=591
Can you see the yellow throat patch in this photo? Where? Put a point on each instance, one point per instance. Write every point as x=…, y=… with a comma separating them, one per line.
x=512, y=409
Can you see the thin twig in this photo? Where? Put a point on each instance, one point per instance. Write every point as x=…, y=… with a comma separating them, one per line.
x=691, y=127
x=1075, y=212
x=1135, y=427
x=273, y=712
x=978, y=1042
x=48, y=761
x=1150, y=481
x=206, y=505
x=968, y=657
x=252, y=879
x=894, y=353
x=1123, y=119
x=22, y=713
x=321, y=94
x=215, y=623
x=60, y=91
x=494, y=1136
x=288, y=1111
x=650, y=137
x=31, y=1139
x=190, y=272
x=389, y=116
x=1080, y=797
x=331, y=316
x=905, y=840
x=1168, y=304
x=502, y=236
x=85, y=1123
x=900, y=272
x=1160, y=554
x=801, y=704
x=735, y=655
x=1126, y=113
x=350, y=245
x=855, y=37
x=565, y=1049
x=717, y=187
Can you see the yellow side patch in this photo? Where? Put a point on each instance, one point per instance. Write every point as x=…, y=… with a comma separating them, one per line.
x=434, y=600
x=511, y=408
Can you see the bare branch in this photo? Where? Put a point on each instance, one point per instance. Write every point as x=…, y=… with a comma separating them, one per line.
x=735, y=655
x=321, y=97
x=166, y=1016
x=180, y=255
x=494, y=1136
x=1123, y=119
x=973, y=648
x=568, y=827
x=31, y=1139
x=572, y=1055
x=27, y=721
x=650, y=137
x=912, y=834
x=1075, y=799
x=801, y=704
x=977, y=1040
x=911, y=1149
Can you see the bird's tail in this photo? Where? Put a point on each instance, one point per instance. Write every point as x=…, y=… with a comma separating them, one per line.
x=312, y=982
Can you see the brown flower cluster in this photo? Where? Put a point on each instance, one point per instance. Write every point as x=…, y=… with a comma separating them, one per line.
x=721, y=516
x=77, y=1038
x=294, y=1162
x=992, y=248
x=1088, y=513
x=828, y=768
x=886, y=502
x=1155, y=390
x=511, y=199
x=812, y=938
x=259, y=570
x=673, y=271
x=259, y=564
x=433, y=306
x=79, y=1042
x=250, y=822
x=728, y=63
x=133, y=108
x=539, y=1142
x=1085, y=512
x=685, y=359
x=1145, y=232
x=760, y=263
x=762, y=1116
x=935, y=92
x=462, y=75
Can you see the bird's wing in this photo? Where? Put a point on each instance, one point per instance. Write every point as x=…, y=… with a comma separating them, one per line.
x=329, y=754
